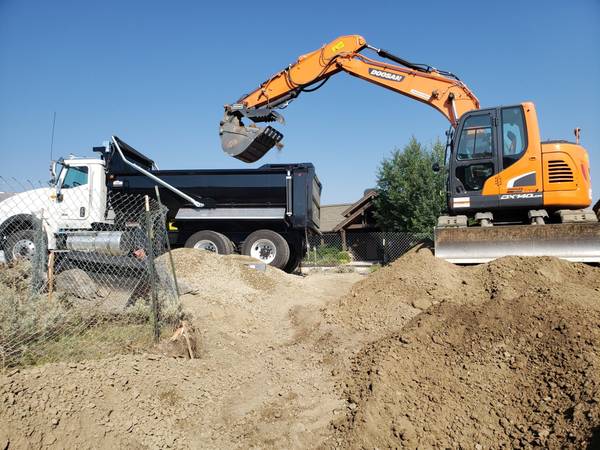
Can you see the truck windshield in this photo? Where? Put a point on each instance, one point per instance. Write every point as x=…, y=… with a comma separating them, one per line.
x=76, y=176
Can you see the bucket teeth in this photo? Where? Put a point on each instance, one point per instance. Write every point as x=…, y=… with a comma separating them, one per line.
x=260, y=145
x=247, y=144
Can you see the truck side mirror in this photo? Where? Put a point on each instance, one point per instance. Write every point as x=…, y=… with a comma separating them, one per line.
x=435, y=167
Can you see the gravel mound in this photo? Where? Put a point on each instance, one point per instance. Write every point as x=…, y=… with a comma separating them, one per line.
x=225, y=278
x=501, y=355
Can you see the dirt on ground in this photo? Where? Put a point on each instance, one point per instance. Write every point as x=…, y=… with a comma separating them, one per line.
x=506, y=356
x=419, y=354
x=255, y=381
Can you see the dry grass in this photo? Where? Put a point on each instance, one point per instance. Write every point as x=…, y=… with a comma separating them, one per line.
x=36, y=330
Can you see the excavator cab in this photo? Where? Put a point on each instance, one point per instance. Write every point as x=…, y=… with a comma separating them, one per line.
x=486, y=143
x=499, y=175
x=498, y=164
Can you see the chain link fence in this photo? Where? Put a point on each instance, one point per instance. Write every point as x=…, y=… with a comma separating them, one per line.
x=374, y=247
x=81, y=273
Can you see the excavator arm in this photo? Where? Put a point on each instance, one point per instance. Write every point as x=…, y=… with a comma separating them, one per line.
x=439, y=89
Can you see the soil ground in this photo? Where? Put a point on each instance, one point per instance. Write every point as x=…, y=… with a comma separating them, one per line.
x=420, y=354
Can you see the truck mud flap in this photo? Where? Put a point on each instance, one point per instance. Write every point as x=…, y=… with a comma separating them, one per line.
x=579, y=242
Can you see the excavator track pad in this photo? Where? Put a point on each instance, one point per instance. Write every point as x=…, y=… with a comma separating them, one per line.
x=579, y=242
x=247, y=144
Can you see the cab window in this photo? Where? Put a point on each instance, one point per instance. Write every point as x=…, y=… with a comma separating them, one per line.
x=513, y=135
x=476, y=138
x=474, y=176
x=76, y=176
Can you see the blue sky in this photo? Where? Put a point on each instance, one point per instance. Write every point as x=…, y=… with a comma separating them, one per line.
x=157, y=74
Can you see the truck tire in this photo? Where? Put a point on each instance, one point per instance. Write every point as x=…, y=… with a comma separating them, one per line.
x=294, y=261
x=20, y=245
x=211, y=241
x=267, y=246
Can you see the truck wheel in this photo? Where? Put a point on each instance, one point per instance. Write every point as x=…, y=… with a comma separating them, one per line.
x=20, y=245
x=294, y=261
x=211, y=241
x=267, y=246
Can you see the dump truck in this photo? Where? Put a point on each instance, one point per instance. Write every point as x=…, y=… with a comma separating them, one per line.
x=266, y=213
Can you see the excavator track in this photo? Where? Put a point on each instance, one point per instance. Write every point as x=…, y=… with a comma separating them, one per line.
x=579, y=242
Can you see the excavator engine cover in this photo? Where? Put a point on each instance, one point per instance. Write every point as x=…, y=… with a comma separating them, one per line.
x=247, y=144
x=579, y=242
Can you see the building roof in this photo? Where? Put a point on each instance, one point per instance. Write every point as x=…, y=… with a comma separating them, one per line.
x=359, y=214
x=331, y=215
x=360, y=203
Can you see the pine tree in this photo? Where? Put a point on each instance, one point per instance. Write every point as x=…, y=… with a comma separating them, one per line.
x=410, y=194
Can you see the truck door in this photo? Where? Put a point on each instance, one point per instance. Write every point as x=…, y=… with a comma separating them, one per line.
x=74, y=200
x=475, y=163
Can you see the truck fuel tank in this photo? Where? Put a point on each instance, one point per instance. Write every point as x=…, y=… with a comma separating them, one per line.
x=111, y=243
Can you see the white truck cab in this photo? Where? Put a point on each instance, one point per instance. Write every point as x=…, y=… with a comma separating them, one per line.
x=75, y=200
x=80, y=193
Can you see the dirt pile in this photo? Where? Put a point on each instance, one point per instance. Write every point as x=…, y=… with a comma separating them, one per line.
x=388, y=298
x=257, y=380
x=97, y=404
x=230, y=277
x=418, y=354
x=505, y=356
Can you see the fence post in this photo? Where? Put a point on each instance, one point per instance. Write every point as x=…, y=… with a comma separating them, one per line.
x=343, y=235
x=38, y=260
x=152, y=271
x=386, y=256
x=51, y=274
x=169, y=248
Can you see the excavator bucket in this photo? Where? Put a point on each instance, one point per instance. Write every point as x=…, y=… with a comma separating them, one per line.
x=578, y=242
x=247, y=144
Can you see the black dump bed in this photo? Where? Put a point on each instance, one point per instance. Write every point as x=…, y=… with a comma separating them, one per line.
x=290, y=192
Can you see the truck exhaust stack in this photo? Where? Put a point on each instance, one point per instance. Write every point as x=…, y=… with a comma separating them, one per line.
x=247, y=144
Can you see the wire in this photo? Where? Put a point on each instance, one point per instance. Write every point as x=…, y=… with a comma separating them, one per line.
x=316, y=87
x=52, y=136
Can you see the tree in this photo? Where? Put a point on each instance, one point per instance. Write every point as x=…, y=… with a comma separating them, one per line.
x=411, y=195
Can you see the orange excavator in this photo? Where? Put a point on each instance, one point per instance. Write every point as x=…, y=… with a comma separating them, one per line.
x=508, y=192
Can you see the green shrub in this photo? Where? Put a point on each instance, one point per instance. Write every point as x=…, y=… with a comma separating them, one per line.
x=328, y=255
x=35, y=329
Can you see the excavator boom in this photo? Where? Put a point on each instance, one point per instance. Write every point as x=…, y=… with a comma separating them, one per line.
x=441, y=90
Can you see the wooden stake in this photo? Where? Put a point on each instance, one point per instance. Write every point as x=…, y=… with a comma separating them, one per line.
x=50, y=275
